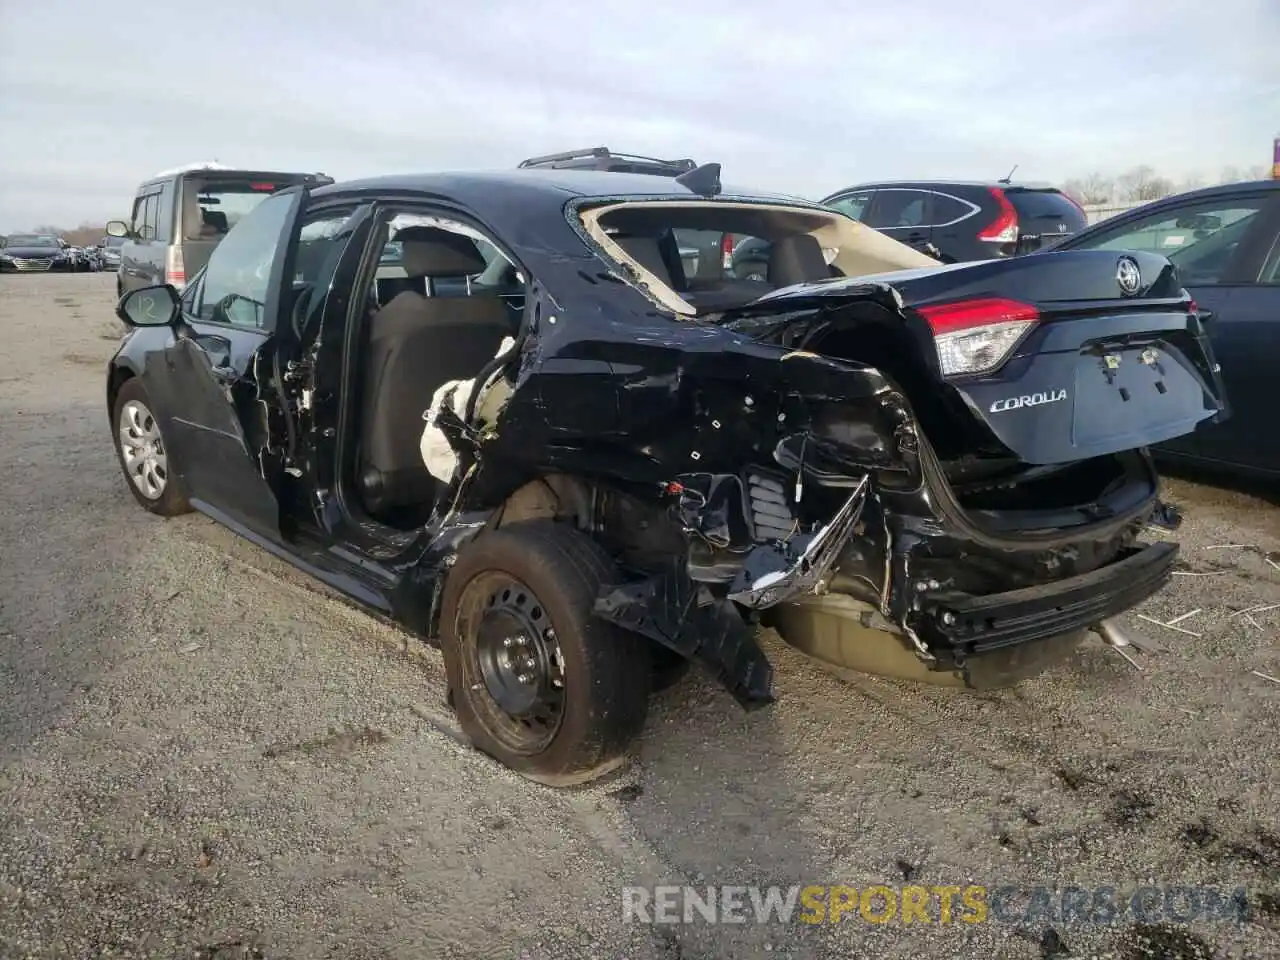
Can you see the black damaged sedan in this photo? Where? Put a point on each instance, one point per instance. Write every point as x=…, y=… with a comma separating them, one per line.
x=535, y=441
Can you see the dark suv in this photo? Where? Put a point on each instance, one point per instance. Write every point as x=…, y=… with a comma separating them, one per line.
x=964, y=221
x=953, y=221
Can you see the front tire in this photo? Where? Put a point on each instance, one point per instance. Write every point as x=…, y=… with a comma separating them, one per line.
x=144, y=459
x=539, y=682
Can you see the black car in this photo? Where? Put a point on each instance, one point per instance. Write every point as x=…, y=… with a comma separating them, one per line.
x=35, y=253
x=1225, y=243
x=574, y=467
x=951, y=221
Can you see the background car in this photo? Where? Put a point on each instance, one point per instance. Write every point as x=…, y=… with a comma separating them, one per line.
x=952, y=221
x=109, y=252
x=180, y=215
x=35, y=253
x=1225, y=243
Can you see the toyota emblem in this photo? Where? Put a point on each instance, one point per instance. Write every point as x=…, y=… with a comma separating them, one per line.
x=1128, y=276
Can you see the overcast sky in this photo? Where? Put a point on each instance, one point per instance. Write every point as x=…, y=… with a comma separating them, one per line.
x=791, y=95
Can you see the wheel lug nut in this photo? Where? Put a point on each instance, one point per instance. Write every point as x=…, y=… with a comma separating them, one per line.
x=529, y=663
x=525, y=678
x=506, y=641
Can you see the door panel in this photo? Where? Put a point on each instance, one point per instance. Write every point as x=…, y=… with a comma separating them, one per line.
x=1245, y=332
x=217, y=429
x=215, y=403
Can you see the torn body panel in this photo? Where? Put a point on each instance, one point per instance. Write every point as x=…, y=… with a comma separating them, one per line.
x=789, y=474
x=782, y=449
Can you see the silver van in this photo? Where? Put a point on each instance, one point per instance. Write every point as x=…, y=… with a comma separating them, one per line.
x=180, y=215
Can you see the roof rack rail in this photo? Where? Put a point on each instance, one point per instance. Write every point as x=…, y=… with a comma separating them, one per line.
x=603, y=153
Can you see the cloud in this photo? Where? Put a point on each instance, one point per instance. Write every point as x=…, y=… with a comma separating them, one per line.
x=802, y=97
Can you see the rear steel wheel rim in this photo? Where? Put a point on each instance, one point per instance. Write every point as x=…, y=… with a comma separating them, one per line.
x=142, y=450
x=513, y=662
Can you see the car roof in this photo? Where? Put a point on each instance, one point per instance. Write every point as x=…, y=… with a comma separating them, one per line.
x=1209, y=193
x=926, y=184
x=220, y=172
x=542, y=183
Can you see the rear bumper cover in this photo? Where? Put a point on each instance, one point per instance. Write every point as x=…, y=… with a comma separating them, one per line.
x=960, y=626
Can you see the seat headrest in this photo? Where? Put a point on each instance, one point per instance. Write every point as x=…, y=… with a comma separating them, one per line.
x=797, y=259
x=215, y=219
x=432, y=252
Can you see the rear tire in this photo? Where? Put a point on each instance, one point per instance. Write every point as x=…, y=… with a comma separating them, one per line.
x=149, y=469
x=539, y=682
x=669, y=668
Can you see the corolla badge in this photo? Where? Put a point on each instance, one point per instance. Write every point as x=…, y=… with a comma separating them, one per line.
x=1028, y=400
x=1128, y=276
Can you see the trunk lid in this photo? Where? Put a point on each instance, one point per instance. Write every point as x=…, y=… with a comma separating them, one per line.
x=1057, y=357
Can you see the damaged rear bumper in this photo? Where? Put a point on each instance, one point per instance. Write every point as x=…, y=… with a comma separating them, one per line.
x=958, y=627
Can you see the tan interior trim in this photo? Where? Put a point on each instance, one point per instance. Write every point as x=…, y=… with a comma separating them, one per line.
x=861, y=251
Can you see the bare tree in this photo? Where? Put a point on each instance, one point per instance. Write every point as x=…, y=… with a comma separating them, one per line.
x=1141, y=185
x=1258, y=172
x=1091, y=188
x=1191, y=182
x=1230, y=175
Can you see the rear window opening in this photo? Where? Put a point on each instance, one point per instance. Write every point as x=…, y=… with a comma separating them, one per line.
x=216, y=204
x=681, y=252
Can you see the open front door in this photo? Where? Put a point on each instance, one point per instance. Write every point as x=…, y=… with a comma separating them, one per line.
x=215, y=378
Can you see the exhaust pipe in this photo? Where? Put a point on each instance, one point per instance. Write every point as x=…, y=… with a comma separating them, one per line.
x=1114, y=636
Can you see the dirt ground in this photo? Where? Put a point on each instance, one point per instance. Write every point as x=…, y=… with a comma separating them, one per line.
x=202, y=755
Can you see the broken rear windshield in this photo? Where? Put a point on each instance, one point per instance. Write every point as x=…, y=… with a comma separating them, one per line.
x=699, y=257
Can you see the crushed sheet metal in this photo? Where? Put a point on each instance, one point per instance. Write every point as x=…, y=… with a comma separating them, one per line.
x=795, y=574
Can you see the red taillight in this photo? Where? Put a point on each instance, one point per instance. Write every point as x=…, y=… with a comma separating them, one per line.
x=966, y=314
x=175, y=271
x=976, y=336
x=264, y=187
x=726, y=251
x=1004, y=229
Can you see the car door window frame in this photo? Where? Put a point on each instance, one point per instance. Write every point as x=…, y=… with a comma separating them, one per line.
x=1249, y=250
x=284, y=246
x=841, y=197
x=931, y=213
x=874, y=209
x=164, y=197
x=147, y=204
x=1265, y=251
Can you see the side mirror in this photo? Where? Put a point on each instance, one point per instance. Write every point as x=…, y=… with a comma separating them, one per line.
x=157, y=306
x=117, y=228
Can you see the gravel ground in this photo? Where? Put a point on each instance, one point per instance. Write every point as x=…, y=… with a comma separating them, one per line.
x=202, y=754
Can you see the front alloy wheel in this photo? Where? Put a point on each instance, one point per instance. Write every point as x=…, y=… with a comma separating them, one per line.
x=144, y=458
x=142, y=450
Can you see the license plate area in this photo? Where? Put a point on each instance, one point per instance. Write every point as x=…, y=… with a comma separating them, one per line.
x=1139, y=395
